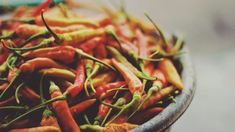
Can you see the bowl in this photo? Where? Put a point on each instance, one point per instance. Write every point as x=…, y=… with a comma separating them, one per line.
x=173, y=111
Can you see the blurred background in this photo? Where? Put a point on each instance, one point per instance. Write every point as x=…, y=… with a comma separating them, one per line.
x=209, y=29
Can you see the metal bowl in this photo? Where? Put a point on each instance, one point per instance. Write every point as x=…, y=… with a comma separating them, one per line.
x=173, y=111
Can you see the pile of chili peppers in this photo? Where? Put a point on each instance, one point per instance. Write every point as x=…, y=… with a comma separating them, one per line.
x=64, y=71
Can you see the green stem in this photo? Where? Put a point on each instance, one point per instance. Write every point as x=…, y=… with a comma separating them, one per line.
x=41, y=89
x=117, y=55
x=80, y=52
x=12, y=83
x=38, y=107
x=17, y=93
x=120, y=102
x=86, y=119
x=42, y=44
x=136, y=97
x=58, y=39
x=33, y=37
x=12, y=108
x=158, y=29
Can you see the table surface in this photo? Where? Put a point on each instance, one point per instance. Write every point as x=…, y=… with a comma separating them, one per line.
x=209, y=27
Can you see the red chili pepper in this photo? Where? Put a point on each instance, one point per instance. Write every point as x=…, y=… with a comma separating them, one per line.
x=3, y=86
x=101, y=51
x=49, y=120
x=44, y=5
x=102, y=112
x=62, y=110
x=155, y=97
x=3, y=54
x=81, y=107
x=89, y=45
x=30, y=94
x=40, y=63
x=7, y=101
x=65, y=54
x=77, y=87
x=37, y=129
x=101, y=91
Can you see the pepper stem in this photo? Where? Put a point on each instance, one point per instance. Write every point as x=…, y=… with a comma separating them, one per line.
x=17, y=92
x=136, y=97
x=158, y=29
x=58, y=40
x=80, y=52
x=18, y=73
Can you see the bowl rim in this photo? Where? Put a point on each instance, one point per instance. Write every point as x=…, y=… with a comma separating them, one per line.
x=173, y=111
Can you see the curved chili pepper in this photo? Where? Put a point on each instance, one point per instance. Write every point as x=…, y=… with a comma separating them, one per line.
x=134, y=84
x=104, y=78
x=60, y=73
x=59, y=21
x=40, y=63
x=49, y=120
x=125, y=62
x=81, y=107
x=102, y=91
x=155, y=97
x=77, y=87
x=37, y=10
x=62, y=110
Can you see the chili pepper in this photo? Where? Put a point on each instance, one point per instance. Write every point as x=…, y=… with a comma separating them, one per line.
x=11, y=84
x=125, y=62
x=120, y=102
x=91, y=44
x=101, y=51
x=59, y=21
x=121, y=119
x=144, y=116
x=81, y=107
x=76, y=88
x=37, y=129
x=40, y=63
x=33, y=32
x=58, y=52
x=3, y=86
x=157, y=96
x=102, y=91
x=63, y=54
x=62, y=110
x=60, y=73
x=3, y=55
x=134, y=83
x=89, y=78
x=156, y=86
x=49, y=120
x=104, y=78
x=171, y=74
x=7, y=101
x=123, y=127
x=30, y=94
x=36, y=108
x=103, y=110
x=45, y=4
